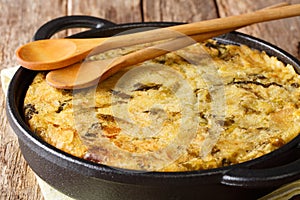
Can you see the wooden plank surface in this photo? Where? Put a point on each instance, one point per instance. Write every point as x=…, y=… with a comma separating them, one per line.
x=179, y=10
x=20, y=18
x=117, y=11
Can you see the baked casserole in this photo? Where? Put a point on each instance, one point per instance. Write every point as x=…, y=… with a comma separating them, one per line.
x=205, y=106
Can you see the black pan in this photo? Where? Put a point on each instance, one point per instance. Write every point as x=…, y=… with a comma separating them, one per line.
x=82, y=179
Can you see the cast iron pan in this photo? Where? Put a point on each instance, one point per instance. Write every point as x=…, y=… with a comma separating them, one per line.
x=82, y=179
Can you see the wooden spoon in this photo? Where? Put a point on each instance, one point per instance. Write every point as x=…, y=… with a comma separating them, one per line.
x=86, y=74
x=58, y=53
x=79, y=75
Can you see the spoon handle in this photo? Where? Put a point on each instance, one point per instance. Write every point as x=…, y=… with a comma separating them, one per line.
x=157, y=50
x=277, y=11
x=78, y=75
x=239, y=20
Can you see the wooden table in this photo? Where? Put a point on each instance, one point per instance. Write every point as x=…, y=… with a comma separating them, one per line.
x=19, y=19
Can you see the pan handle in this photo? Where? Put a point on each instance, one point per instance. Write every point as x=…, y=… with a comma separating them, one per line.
x=270, y=177
x=75, y=21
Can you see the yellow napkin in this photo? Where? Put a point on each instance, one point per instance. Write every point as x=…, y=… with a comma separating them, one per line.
x=284, y=193
x=6, y=76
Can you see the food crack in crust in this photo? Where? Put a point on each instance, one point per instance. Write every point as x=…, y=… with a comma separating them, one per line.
x=164, y=111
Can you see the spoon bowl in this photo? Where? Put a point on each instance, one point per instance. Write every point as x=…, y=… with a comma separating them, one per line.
x=79, y=75
x=55, y=53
